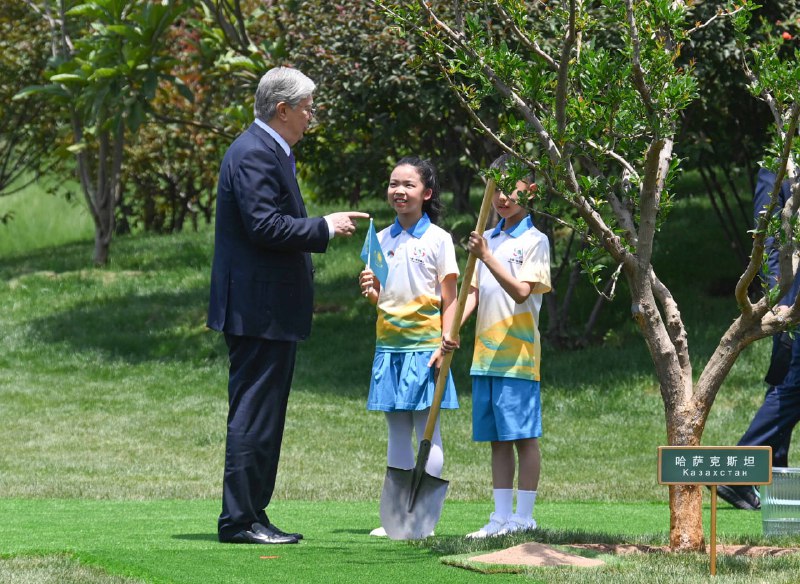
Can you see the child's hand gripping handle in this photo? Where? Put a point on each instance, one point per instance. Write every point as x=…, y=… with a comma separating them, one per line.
x=483, y=216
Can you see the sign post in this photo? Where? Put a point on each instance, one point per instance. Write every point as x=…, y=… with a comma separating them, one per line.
x=712, y=466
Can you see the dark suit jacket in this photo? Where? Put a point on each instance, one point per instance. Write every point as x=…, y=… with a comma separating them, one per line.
x=781, y=356
x=765, y=181
x=262, y=277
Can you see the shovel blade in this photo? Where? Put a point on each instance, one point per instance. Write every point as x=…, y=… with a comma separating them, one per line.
x=418, y=521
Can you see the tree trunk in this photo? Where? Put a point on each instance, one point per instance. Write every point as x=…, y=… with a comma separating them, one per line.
x=100, y=177
x=109, y=162
x=102, y=246
x=685, y=501
x=686, y=518
x=104, y=224
x=461, y=181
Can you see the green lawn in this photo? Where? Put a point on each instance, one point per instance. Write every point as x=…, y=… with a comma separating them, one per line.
x=113, y=412
x=174, y=541
x=41, y=220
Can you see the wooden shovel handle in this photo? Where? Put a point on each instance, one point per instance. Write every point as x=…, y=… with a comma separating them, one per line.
x=483, y=216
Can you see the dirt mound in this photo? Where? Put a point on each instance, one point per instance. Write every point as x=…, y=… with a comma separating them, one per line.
x=537, y=554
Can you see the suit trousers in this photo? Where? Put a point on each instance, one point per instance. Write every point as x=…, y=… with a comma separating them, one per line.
x=259, y=381
x=776, y=418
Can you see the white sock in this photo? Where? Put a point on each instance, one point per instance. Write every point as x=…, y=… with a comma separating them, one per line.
x=503, y=502
x=525, y=502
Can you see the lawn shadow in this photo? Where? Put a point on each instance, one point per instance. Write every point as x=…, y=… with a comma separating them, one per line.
x=162, y=326
x=62, y=258
x=352, y=531
x=141, y=252
x=196, y=536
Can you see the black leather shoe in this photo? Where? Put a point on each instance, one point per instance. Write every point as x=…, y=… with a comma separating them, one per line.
x=260, y=534
x=275, y=529
x=740, y=496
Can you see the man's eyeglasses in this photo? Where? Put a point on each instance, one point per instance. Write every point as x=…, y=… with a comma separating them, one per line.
x=311, y=111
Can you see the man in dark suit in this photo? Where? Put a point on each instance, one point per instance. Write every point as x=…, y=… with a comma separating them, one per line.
x=774, y=421
x=262, y=294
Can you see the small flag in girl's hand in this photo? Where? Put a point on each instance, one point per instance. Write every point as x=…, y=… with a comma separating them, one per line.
x=372, y=254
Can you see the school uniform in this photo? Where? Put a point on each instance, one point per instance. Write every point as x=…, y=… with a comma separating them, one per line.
x=507, y=356
x=409, y=325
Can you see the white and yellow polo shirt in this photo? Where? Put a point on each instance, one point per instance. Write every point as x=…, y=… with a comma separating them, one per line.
x=409, y=306
x=507, y=341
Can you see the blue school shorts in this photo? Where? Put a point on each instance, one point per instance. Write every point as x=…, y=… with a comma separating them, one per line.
x=505, y=408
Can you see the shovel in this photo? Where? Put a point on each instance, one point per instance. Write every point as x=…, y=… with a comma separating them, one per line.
x=412, y=500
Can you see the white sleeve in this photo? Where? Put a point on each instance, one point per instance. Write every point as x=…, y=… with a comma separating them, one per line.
x=446, y=262
x=536, y=266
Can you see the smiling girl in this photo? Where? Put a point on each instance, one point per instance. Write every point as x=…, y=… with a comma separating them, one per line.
x=416, y=304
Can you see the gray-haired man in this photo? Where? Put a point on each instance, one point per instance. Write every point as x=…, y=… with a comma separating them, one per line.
x=262, y=294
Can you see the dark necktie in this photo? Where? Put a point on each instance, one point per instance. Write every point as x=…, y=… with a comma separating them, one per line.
x=294, y=165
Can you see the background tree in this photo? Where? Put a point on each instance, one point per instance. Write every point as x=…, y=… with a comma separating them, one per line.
x=603, y=112
x=723, y=133
x=26, y=137
x=108, y=60
x=377, y=101
x=192, y=122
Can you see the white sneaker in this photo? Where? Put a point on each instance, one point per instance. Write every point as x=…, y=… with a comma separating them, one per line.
x=498, y=525
x=519, y=523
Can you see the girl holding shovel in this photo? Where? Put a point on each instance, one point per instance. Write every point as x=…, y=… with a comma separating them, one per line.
x=414, y=306
x=512, y=275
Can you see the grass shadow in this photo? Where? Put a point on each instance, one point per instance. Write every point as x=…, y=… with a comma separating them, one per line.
x=159, y=326
x=196, y=536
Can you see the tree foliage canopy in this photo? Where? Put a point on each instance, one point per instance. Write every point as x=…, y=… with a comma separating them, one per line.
x=27, y=137
x=378, y=101
x=594, y=95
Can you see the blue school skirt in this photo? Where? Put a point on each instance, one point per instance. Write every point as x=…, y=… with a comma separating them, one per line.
x=403, y=381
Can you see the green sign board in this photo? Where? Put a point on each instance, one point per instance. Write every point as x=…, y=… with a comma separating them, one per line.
x=714, y=465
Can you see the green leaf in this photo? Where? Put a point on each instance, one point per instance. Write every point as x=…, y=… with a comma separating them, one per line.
x=38, y=89
x=136, y=116
x=125, y=30
x=75, y=148
x=104, y=72
x=183, y=89
x=150, y=85
x=66, y=78
x=88, y=10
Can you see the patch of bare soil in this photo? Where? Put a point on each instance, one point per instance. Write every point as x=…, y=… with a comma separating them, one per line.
x=537, y=554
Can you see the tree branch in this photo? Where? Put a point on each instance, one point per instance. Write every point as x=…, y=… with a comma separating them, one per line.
x=532, y=164
x=563, y=73
x=720, y=13
x=638, y=72
x=621, y=212
x=773, y=105
x=230, y=19
x=674, y=325
x=526, y=41
x=656, y=164
x=611, y=241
